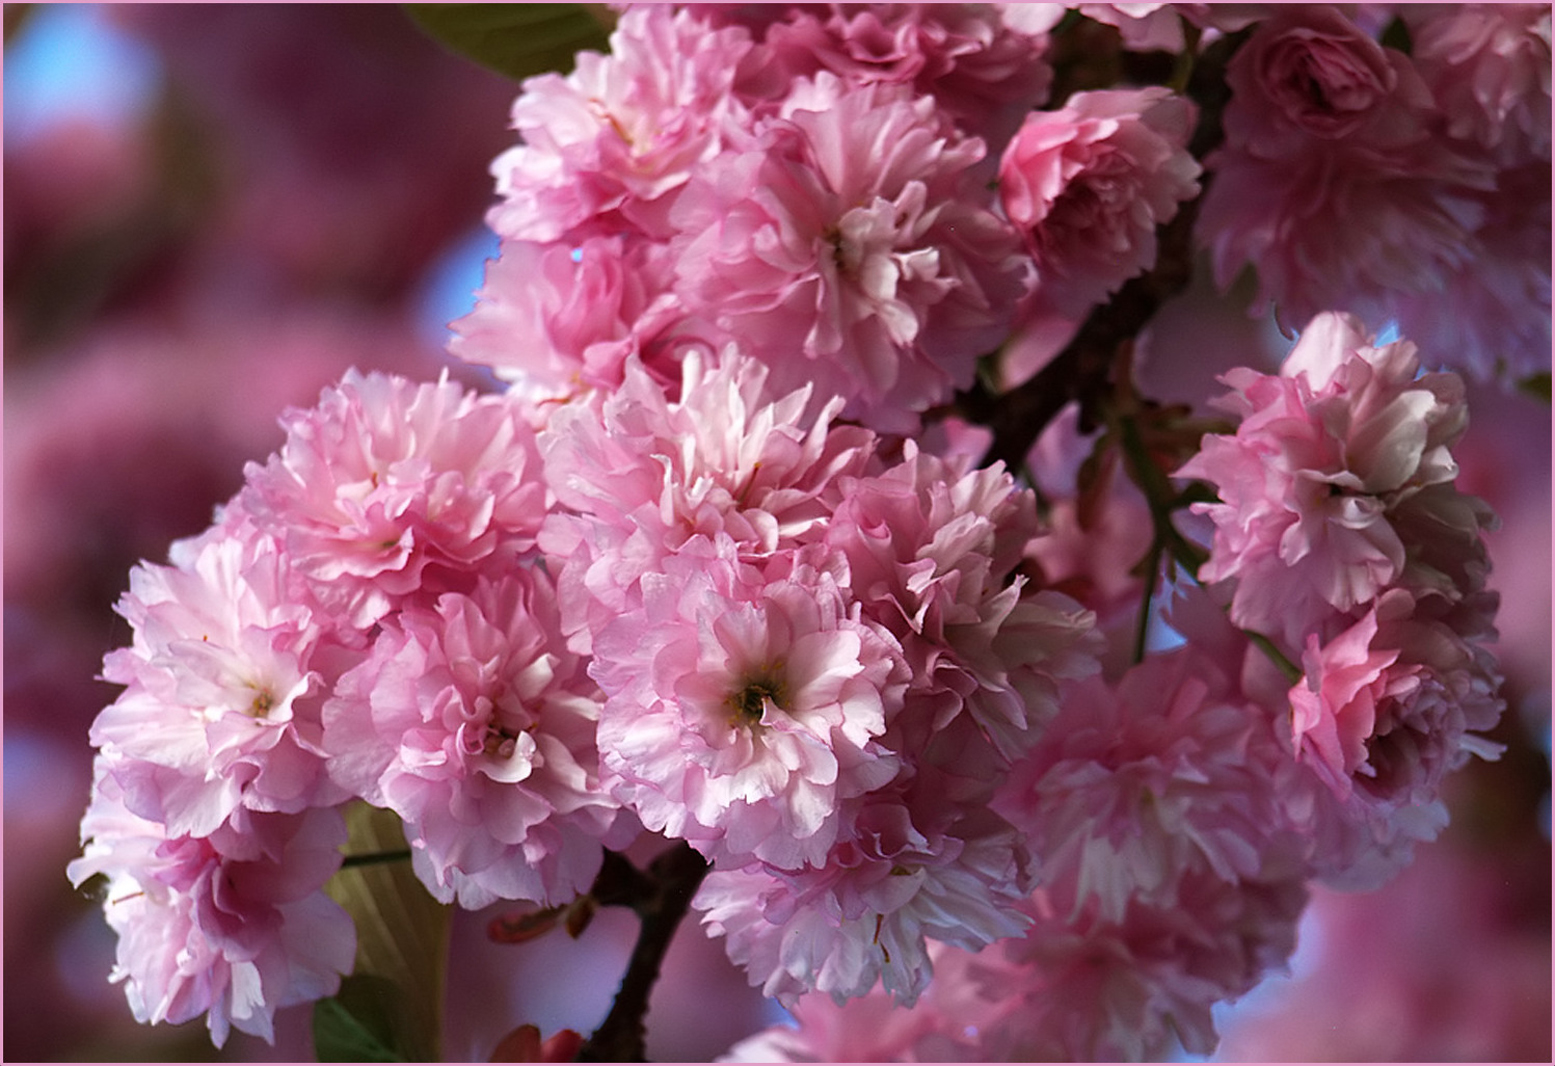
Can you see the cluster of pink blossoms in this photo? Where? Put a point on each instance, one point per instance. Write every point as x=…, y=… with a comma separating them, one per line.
x=696, y=572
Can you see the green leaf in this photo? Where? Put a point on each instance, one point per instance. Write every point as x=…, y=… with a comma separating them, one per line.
x=1537, y=386
x=401, y=933
x=518, y=40
x=358, y=1024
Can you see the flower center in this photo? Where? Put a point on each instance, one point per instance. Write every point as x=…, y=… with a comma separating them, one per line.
x=749, y=702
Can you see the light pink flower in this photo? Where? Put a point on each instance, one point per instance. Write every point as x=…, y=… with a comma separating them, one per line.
x=1326, y=126
x=223, y=680
x=1387, y=709
x=612, y=143
x=1488, y=67
x=844, y=246
x=742, y=715
x=1326, y=451
x=234, y=925
x=917, y=869
x=641, y=473
x=561, y=317
x=1129, y=787
x=1087, y=185
x=387, y=488
x=473, y=722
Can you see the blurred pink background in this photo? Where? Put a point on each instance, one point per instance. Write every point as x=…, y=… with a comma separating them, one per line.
x=212, y=211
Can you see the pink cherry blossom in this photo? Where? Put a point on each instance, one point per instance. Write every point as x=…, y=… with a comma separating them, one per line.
x=233, y=925
x=917, y=869
x=557, y=318
x=473, y=722
x=1326, y=126
x=1488, y=67
x=386, y=482
x=637, y=474
x=1326, y=451
x=1129, y=787
x=221, y=709
x=743, y=716
x=1087, y=185
x=877, y=265
x=1386, y=710
x=612, y=143
x=982, y=72
x=930, y=547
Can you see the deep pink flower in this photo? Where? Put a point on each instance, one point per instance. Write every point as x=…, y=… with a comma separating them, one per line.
x=1488, y=67
x=1326, y=126
x=473, y=722
x=612, y=143
x=1386, y=710
x=1087, y=185
x=224, y=686
x=845, y=247
x=387, y=482
x=234, y=925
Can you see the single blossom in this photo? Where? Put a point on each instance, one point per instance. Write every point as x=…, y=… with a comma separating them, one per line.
x=1326, y=126
x=638, y=474
x=1087, y=186
x=388, y=488
x=473, y=723
x=1327, y=451
x=741, y=714
x=224, y=681
x=611, y=145
x=919, y=867
x=1129, y=787
x=1386, y=710
x=1488, y=68
x=877, y=266
x=234, y=925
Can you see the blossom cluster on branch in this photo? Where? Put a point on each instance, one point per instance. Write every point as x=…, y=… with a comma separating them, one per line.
x=722, y=562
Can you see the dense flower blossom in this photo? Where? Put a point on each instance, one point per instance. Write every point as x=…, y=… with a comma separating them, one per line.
x=388, y=487
x=876, y=265
x=221, y=708
x=610, y=145
x=473, y=723
x=1326, y=452
x=232, y=925
x=1326, y=126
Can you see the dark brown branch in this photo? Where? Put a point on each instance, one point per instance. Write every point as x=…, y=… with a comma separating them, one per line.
x=660, y=898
